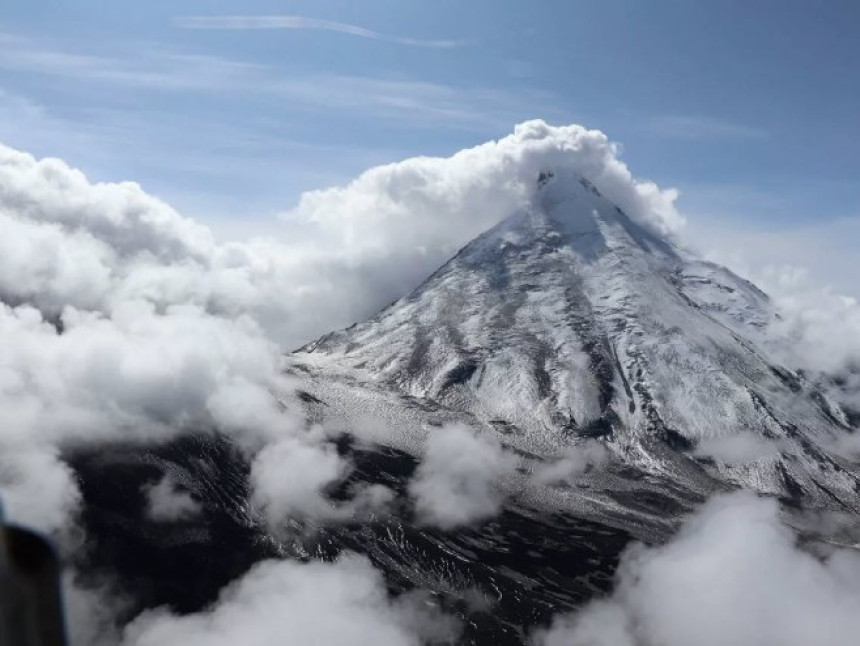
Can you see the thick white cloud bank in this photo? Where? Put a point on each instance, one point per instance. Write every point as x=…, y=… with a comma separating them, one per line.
x=133, y=375
x=732, y=575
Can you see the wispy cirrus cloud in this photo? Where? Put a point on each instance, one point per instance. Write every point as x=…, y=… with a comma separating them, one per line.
x=155, y=67
x=700, y=127
x=94, y=103
x=303, y=23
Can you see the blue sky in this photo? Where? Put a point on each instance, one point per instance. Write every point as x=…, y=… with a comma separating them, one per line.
x=751, y=108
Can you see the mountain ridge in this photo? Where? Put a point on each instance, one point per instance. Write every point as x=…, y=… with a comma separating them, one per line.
x=568, y=321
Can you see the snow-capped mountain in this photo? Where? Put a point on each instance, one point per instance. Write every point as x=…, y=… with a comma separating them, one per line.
x=570, y=321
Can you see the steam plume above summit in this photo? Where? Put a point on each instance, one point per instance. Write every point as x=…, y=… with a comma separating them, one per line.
x=67, y=241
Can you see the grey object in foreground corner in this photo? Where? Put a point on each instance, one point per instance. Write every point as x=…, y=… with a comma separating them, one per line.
x=31, y=611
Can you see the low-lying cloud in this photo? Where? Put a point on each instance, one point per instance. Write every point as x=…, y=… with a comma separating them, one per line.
x=575, y=461
x=732, y=575
x=167, y=502
x=133, y=375
x=809, y=273
x=457, y=481
x=288, y=478
x=340, y=603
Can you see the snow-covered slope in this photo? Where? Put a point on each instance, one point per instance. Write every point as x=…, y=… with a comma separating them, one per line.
x=570, y=321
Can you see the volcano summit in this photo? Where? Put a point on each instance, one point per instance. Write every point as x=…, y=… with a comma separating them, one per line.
x=569, y=322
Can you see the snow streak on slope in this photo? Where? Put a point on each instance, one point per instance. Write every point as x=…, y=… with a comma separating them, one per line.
x=570, y=321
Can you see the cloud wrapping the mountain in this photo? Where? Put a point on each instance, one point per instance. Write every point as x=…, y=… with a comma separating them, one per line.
x=823, y=325
x=122, y=320
x=70, y=242
x=809, y=273
x=456, y=482
x=125, y=320
x=732, y=575
x=394, y=224
x=818, y=331
x=289, y=479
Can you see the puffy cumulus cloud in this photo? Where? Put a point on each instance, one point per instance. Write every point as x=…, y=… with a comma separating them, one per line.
x=427, y=201
x=344, y=602
x=122, y=216
x=167, y=502
x=575, y=461
x=456, y=482
x=732, y=575
x=289, y=479
x=135, y=374
x=50, y=267
x=140, y=375
x=65, y=242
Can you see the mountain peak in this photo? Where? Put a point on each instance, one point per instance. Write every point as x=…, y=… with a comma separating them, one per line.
x=568, y=206
x=564, y=177
x=569, y=320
